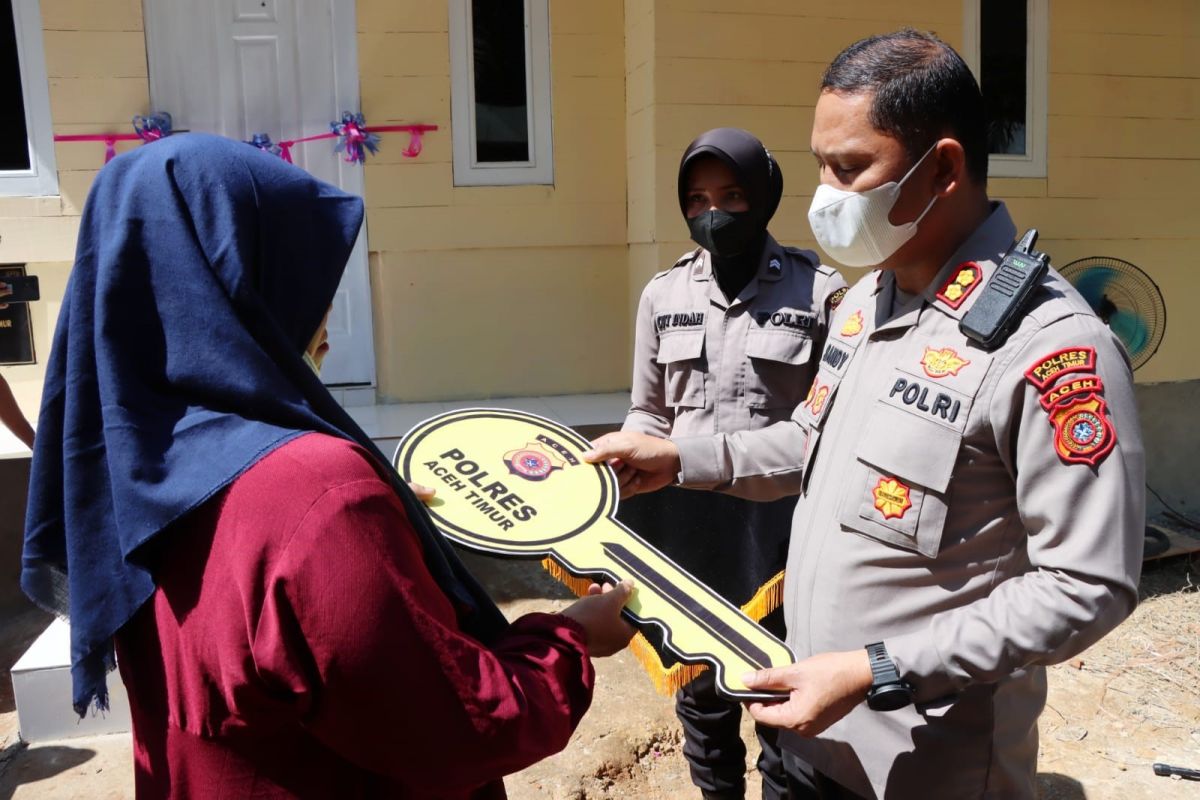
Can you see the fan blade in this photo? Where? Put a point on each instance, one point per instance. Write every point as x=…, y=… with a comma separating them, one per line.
x=1130, y=329
x=1093, y=283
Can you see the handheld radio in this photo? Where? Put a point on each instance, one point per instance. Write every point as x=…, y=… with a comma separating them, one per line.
x=1001, y=302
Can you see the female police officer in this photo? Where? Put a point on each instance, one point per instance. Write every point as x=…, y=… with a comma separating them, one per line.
x=727, y=339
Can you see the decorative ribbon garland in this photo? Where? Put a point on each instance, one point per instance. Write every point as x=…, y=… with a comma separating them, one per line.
x=353, y=136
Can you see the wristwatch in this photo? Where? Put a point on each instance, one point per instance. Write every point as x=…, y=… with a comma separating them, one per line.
x=888, y=691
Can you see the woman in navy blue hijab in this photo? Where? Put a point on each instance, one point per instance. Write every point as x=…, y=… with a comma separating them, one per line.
x=181, y=435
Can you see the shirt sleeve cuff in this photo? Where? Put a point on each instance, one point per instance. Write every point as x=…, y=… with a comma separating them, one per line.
x=921, y=664
x=700, y=463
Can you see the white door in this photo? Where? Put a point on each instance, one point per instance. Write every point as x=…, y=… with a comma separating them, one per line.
x=282, y=67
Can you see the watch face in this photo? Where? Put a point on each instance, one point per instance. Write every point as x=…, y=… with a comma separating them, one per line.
x=889, y=697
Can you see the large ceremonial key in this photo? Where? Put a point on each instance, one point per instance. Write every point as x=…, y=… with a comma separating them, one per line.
x=514, y=484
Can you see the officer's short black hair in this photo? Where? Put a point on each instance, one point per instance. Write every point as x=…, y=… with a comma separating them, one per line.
x=923, y=91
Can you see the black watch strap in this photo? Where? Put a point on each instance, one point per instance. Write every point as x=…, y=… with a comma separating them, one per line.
x=888, y=691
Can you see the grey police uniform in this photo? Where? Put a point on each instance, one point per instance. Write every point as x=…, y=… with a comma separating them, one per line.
x=979, y=512
x=703, y=365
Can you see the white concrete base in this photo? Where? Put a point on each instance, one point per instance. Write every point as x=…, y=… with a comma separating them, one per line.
x=42, y=686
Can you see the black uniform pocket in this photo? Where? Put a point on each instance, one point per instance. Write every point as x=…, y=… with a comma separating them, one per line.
x=680, y=353
x=898, y=492
x=778, y=373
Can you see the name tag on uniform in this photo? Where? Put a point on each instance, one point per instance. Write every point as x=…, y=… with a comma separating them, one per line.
x=673, y=320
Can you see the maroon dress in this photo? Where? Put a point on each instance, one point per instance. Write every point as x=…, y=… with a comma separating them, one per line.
x=297, y=646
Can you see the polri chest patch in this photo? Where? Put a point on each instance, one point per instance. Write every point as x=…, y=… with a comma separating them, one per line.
x=789, y=319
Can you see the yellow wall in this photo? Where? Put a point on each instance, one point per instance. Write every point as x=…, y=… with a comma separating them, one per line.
x=96, y=65
x=497, y=290
x=484, y=291
x=1124, y=154
x=1123, y=128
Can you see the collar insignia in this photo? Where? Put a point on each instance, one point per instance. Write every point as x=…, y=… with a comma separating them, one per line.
x=960, y=285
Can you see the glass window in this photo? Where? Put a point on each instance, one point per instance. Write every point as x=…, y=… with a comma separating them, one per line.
x=500, y=91
x=1002, y=74
x=26, y=139
x=14, y=138
x=501, y=105
x=1005, y=45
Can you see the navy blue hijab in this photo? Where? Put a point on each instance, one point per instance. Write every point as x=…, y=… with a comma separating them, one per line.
x=203, y=269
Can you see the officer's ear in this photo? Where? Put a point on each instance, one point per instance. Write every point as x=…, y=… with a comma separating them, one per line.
x=950, y=172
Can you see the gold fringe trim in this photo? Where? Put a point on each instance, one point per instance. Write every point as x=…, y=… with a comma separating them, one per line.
x=668, y=680
x=768, y=598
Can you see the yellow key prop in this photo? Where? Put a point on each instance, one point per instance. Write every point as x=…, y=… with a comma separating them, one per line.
x=514, y=484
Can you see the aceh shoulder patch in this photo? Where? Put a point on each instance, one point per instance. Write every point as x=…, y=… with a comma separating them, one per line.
x=1083, y=434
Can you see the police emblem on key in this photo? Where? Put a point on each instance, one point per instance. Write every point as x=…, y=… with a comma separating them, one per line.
x=514, y=484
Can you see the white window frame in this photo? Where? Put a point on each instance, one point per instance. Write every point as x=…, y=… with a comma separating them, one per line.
x=468, y=171
x=41, y=179
x=1033, y=163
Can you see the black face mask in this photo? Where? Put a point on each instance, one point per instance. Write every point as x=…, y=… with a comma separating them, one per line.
x=725, y=234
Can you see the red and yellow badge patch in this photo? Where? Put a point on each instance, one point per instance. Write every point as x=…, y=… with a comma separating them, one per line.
x=891, y=498
x=1083, y=434
x=1088, y=384
x=942, y=362
x=818, y=393
x=853, y=325
x=1061, y=362
x=960, y=285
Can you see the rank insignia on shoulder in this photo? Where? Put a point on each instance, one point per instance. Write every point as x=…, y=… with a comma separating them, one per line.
x=960, y=284
x=891, y=498
x=1082, y=434
x=1061, y=362
x=943, y=362
x=774, y=267
x=854, y=325
x=1073, y=388
x=835, y=299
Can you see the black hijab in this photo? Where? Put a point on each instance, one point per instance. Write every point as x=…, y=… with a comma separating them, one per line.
x=203, y=269
x=759, y=176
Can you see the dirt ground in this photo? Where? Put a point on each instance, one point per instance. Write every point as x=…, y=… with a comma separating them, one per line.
x=1129, y=701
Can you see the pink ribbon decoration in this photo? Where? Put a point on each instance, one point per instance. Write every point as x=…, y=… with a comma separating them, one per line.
x=110, y=140
x=415, y=132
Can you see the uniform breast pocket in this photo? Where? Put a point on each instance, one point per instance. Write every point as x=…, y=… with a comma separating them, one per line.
x=778, y=373
x=898, y=492
x=681, y=354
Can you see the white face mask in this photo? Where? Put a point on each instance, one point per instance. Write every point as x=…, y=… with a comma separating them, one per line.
x=853, y=227
x=311, y=363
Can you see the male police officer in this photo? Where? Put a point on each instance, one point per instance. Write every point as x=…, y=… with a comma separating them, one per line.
x=969, y=514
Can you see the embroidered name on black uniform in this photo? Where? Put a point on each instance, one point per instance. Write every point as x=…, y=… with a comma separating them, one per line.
x=682, y=319
x=913, y=393
x=796, y=320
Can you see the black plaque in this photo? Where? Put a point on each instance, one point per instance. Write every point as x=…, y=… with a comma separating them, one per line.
x=16, y=332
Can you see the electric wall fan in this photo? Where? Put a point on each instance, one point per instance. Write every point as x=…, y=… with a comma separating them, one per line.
x=1126, y=299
